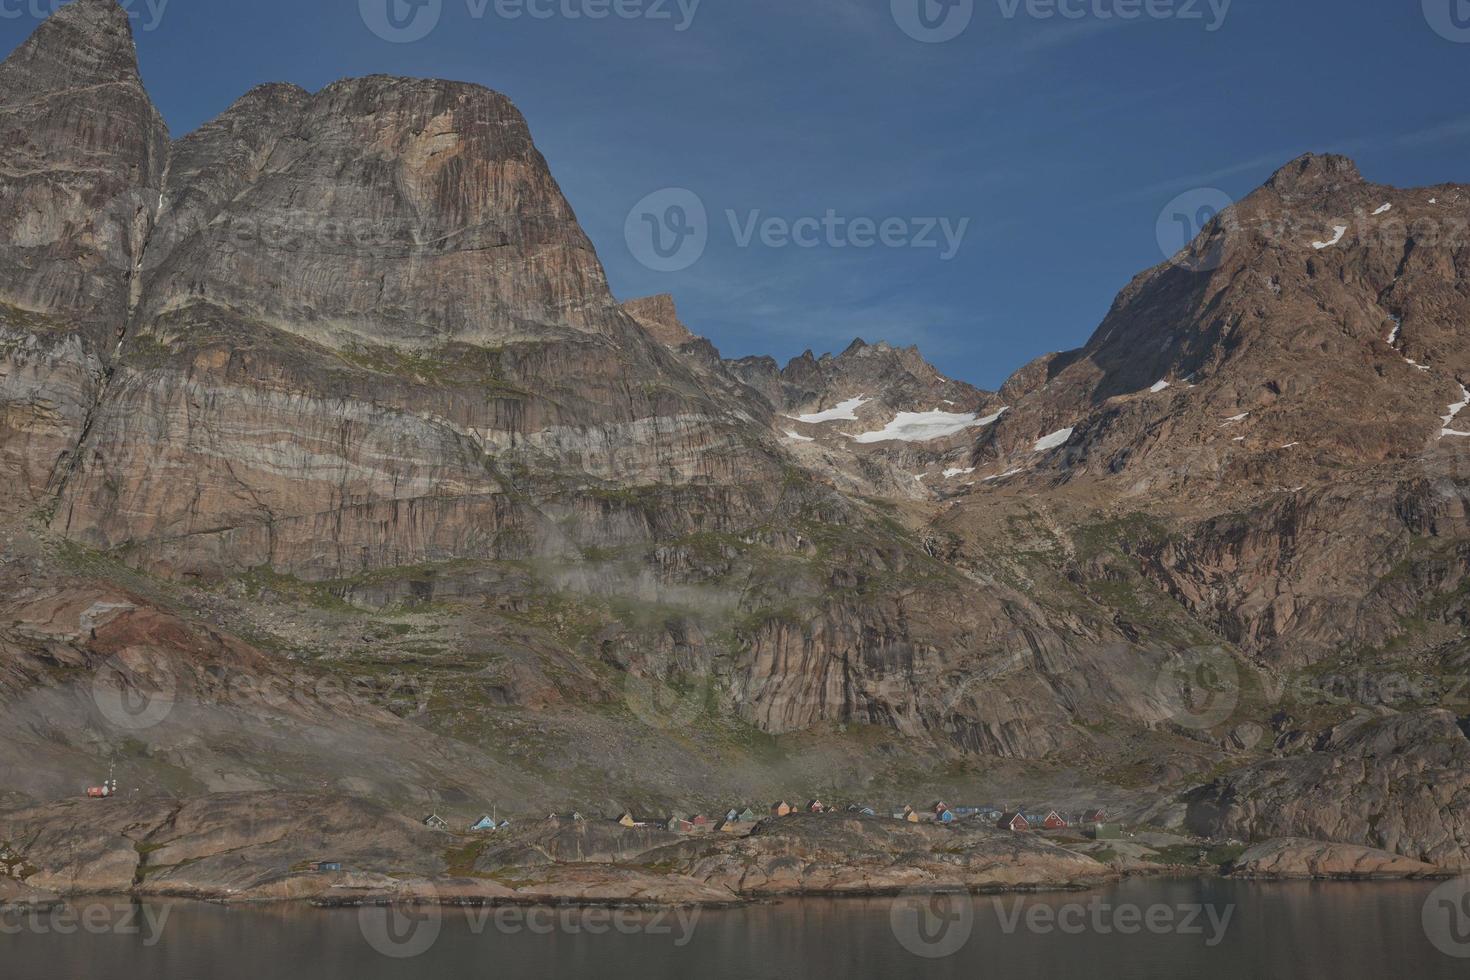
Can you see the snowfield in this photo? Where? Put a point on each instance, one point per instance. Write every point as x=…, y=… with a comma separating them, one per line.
x=1057, y=438
x=844, y=412
x=921, y=427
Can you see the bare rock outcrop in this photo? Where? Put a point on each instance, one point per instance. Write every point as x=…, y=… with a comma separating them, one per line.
x=1399, y=783
x=834, y=855
x=1298, y=858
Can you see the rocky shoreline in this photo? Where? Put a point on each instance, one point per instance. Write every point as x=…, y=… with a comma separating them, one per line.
x=268, y=848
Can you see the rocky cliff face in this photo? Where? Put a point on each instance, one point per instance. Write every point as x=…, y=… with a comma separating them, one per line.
x=84, y=165
x=437, y=325
x=1397, y=783
x=337, y=382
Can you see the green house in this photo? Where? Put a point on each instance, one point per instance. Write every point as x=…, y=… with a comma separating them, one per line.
x=1107, y=831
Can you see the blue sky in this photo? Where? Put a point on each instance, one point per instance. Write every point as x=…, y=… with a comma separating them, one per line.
x=1054, y=141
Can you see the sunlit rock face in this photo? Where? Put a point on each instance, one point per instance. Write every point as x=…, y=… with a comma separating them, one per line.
x=85, y=155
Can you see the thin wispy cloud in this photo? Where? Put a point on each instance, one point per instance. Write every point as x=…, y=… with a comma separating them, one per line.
x=1453, y=130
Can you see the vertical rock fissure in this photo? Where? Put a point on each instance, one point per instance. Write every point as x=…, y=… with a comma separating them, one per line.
x=109, y=365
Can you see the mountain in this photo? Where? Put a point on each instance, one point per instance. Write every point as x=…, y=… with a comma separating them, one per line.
x=333, y=450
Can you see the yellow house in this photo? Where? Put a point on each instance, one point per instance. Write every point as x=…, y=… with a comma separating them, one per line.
x=782, y=809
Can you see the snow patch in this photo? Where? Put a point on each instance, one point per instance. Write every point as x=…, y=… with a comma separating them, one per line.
x=921, y=427
x=844, y=412
x=992, y=419
x=797, y=437
x=1235, y=418
x=1340, y=230
x=990, y=479
x=1057, y=438
x=1291, y=445
x=1159, y=386
x=1455, y=410
x=1387, y=208
x=950, y=474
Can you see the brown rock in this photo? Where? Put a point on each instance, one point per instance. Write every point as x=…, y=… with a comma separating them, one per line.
x=1297, y=858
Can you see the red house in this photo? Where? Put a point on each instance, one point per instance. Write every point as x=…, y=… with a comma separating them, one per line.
x=1054, y=821
x=1013, y=821
x=1094, y=817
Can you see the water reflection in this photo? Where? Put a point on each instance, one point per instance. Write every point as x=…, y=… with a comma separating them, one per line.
x=1139, y=929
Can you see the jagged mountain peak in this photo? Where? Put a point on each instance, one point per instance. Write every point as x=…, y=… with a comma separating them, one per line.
x=408, y=177
x=86, y=42
x=1313, y=329
x=86, y=154
x=1312, y=171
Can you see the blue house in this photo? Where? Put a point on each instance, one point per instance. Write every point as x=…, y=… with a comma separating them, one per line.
x=484, y=824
